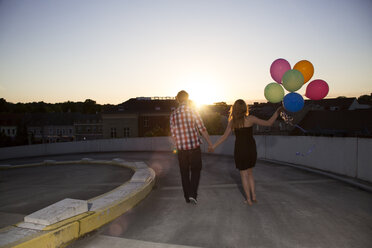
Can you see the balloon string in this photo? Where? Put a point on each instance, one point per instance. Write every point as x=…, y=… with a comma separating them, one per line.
x=289, y=119
x=303, y=130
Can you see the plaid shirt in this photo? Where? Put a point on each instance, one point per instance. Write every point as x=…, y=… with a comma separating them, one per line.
x=184, y=126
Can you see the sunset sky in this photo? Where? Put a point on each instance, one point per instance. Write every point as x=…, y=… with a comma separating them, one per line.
x=110, y=51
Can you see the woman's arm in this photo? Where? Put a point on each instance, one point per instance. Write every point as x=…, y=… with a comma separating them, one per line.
x=268, y=122
x=224, y=136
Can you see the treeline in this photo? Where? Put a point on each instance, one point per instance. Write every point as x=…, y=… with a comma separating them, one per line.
x=91, y=107
x=87, y=107
x=365, y=99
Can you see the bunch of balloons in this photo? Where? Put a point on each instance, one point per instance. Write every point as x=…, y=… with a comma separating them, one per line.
x=292, y=80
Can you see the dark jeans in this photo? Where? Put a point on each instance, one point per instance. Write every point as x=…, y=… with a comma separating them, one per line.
x=190, y=161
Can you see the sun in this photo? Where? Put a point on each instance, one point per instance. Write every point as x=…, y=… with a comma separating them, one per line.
x=202, y=90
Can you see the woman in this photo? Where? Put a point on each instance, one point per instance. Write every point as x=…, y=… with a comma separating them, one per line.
x=245, y=153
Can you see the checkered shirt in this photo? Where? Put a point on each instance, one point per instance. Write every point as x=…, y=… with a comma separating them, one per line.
x=185, y=124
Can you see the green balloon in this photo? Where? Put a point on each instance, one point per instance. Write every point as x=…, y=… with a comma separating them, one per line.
x=293, y=80
x=274, y=92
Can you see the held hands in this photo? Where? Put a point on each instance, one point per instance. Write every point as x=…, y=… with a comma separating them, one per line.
x=280, y=109
x=210, y=148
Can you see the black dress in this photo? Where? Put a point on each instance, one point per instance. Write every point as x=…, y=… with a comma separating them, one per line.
x=245, y=152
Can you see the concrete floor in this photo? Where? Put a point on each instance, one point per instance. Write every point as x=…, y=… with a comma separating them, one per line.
x=295, y=208
x=26, y=190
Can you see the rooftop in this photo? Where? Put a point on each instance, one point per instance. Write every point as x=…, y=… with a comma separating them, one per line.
x=294, y=206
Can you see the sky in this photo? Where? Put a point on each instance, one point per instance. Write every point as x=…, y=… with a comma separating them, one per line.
x=221, y=50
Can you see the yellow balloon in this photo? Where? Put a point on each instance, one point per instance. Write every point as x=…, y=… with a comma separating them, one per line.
x=306, y=68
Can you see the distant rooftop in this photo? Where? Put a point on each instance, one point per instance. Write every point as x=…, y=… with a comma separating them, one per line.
x=145, y=105
x=155, y=98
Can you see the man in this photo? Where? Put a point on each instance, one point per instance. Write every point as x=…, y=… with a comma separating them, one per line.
x=185, y=125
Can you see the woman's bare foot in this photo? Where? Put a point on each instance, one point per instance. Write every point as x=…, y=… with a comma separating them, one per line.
x=254, y=198
x=248, y=202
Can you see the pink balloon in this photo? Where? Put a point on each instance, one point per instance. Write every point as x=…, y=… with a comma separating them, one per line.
x=278, y=68
x=317, y=89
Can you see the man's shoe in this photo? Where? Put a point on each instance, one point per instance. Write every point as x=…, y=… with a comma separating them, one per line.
x=193, y=200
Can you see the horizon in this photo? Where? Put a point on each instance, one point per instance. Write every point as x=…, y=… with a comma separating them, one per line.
x=214, y=103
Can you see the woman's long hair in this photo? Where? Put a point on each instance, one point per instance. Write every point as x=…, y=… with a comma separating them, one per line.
x=237, y=113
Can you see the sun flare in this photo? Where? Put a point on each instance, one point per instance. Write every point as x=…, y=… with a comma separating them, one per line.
x=202, y=90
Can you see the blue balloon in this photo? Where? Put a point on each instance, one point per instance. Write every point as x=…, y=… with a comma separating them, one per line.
x=293, y=102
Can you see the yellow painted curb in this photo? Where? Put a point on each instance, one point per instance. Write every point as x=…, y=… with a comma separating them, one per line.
x=67, y=221
x=60, y=237
x=64, y=232
x=102, y=217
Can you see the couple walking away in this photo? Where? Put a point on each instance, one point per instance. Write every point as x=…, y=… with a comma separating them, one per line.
x=185, y=125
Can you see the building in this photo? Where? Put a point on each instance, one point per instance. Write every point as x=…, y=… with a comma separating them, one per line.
x=9, y=123
x=88, y=127
x=342, y=123
x=62, y=127
x=335, y=104
x=312, y=112
x=50, y=127
x=139, y=117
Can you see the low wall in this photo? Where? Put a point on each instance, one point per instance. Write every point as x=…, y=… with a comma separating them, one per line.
x=103, y=145
x=364, y=168
x=338, y=155
x=345, y=156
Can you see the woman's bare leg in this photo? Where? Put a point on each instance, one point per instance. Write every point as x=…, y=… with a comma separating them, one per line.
x=244, y=176
x=251, y=184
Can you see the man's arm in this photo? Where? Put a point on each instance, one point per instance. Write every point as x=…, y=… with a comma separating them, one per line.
x=207, y=138
x=224, y=136
x=172, y=127
x=203, y=130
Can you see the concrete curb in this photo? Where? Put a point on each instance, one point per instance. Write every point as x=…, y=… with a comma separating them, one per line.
x=103, y=209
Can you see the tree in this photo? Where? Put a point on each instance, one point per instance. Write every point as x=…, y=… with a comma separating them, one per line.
x=365, y=99
x=90, y=107
x=4, y=106
x=87, y=107
x=213, y=122
x=68, y=107
x=222, y=108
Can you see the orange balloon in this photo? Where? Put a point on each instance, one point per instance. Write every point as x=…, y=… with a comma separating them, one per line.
x=306, y=68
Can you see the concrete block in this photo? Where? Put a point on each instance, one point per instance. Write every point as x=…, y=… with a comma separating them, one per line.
x=5, y=166
x=86, y=160
x=32, y=226
x=47, y=162
x=140, y=165
x=56, y=212
x=13, y=234
x=141, y=175
x=118, y=160
x=118, y=194
x=131, y=165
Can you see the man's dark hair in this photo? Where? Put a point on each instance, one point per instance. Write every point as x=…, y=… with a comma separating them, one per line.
x=182, y=96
